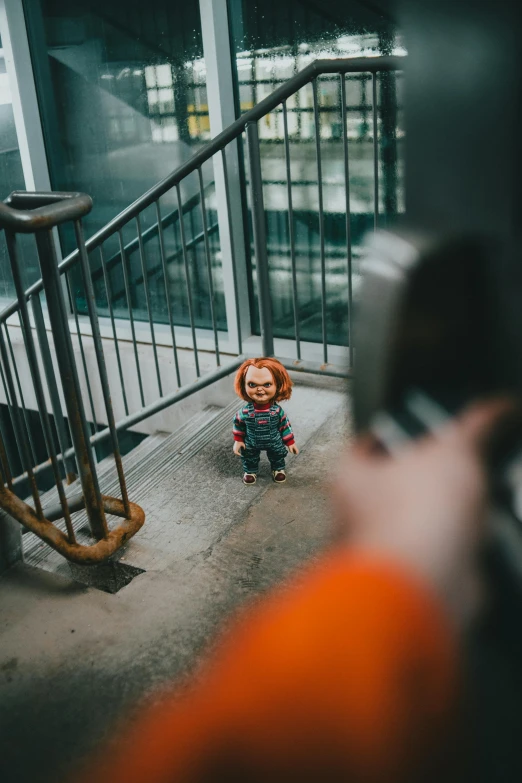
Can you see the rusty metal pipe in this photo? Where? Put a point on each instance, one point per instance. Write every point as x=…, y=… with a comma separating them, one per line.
x=76, y=553
x=70, y=383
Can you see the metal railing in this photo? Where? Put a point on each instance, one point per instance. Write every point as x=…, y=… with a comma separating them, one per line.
x=132, y=262
x=38, y=214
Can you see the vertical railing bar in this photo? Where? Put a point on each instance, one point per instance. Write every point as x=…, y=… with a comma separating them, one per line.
x=126, y=283
x=348, y=216
x=70, y=381
x=209, y=266
x=4, y=434
x=36, y=379
x=187, y=277
x=21, y=395
x=82, y=352
x=291, y=233
x=147, y=301
x=191, y=245
x=2, y=474
x=321, y=217
x=52, y=387
x=41, y=403
x=259, y=231
x=100, y=358
x=375, y=153
x=113, y=324
x=161, y=240
x=232, y=248
x=7, y=477
x=14, y=414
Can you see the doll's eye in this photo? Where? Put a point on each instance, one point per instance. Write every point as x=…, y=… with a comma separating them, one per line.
x=268, y=384
x=252, y=385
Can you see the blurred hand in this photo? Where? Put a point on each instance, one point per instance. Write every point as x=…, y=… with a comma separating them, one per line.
x=425, y=506
x=238, y=447
x=293, y=449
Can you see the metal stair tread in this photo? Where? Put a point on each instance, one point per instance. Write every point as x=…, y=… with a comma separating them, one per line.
x=145, y=446
x=143, y=474
x=171, y=458
x=108, y=464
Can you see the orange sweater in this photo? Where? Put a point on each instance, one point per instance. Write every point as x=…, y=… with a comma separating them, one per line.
x=347, y=674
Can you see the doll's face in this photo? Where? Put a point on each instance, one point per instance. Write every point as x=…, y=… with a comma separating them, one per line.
x=259, y=384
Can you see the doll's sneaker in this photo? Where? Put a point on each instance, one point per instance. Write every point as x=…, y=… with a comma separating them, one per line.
x=249, y=478
x=279, y=476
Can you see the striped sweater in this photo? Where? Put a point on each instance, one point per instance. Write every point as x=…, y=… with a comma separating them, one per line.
x=285, y=428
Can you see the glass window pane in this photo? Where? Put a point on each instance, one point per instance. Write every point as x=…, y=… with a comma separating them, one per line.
x=124, y=103
x=12, y=178
x=273, y=41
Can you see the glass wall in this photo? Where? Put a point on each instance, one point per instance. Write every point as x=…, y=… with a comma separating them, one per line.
x=11, y=178
x=273, y=41
x=122, y=92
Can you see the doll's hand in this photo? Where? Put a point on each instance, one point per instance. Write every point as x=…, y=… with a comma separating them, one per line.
x=293, y=449
x=238, y=446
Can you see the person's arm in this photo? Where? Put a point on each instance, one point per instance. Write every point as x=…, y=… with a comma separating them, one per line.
x=349, y=674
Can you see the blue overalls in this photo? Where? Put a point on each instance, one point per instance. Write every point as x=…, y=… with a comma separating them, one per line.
x=262, y=434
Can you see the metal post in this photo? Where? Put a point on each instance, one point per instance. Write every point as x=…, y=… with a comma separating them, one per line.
x=187, y=279
x=389, y=152
x=108, y=289
x=317, y=124
x=145, y=273
x=348, y=216
x=375, y=153
x=100, y=359
x=32, y=361
x=291, y=231
x=128, y=296
x=71, y=384
x=220, y=91
x=259, y=228
x=72, y=298
x=25, y=104
x=161, y=241
x=230, y=216
x=209, y=264
x=52, y=386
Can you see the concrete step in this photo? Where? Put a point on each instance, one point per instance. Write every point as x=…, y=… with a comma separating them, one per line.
x=147, y=445
x=190, y=484
x=143, y=466
x=106, y=468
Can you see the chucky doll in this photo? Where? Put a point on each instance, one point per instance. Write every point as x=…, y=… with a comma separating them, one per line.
x=261, y=424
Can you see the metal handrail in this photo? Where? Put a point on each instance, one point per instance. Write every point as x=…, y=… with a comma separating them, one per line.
x=218, y=143
x=25, y=213
x=42, y=212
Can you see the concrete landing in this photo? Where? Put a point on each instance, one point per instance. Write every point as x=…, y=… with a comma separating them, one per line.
x=73, y=658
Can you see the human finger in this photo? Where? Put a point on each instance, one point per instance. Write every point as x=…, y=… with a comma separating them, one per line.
x=484, y=425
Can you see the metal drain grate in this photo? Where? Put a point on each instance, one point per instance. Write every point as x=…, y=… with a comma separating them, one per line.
x=109, y=577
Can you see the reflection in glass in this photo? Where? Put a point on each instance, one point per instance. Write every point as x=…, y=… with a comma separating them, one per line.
x=273, y=42
x=124, y=104
x=12, y=178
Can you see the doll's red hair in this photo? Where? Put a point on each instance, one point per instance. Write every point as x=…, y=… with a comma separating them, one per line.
x=281, y=378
